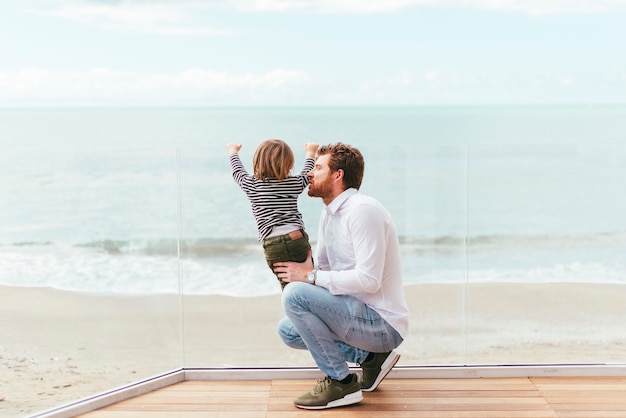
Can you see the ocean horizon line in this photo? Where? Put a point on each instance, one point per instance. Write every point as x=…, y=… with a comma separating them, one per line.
x=316, y=107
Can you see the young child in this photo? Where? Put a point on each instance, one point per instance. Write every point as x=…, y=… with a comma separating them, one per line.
x=273, y=193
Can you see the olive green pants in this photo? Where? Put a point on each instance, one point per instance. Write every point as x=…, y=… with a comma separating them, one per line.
x=293, y=246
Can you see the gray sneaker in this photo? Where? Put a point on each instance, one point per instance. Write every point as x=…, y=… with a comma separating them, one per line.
x=330, y=393
x=375, y=370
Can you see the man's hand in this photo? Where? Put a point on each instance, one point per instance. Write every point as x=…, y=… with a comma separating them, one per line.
x=290, y=271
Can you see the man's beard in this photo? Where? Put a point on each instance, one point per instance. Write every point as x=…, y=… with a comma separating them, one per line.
x=320, y=189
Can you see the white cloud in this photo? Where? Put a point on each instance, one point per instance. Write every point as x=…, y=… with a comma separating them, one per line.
x=616, y=75
x=101, y=84
x=28, y=79
x=404, y=78
x=134, y=16
x=534, y=7
x=325, y=6
x=198, y=86
x=568, y=80
x=430, y=76
x=546, y=7
x=181, y=18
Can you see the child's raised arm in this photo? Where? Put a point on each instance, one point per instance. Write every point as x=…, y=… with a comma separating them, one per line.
x=311, y=149
x=233, y=148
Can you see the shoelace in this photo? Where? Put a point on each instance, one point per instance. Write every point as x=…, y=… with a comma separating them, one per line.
x=321, y=385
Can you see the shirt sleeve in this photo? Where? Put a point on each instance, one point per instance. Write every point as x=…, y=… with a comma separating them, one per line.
x=309, y=163
x=240, y=175
x=367, y=229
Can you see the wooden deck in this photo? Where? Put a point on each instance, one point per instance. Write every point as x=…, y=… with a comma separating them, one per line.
x=583, y=397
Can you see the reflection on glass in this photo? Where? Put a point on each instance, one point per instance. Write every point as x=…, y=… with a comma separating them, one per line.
x=500, y=244
x=546, y=254
x=89, y=272
x=512, y=254
x=232, y=300
x=424, y=188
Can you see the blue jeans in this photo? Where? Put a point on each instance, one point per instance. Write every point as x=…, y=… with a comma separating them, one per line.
x=336, y=329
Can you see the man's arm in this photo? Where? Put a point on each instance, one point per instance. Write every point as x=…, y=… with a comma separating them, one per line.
x=291, y=271
x=368, y=233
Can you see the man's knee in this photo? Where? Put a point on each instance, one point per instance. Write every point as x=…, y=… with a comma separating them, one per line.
x=283, y=331
x=288, y=333
x=292, y=293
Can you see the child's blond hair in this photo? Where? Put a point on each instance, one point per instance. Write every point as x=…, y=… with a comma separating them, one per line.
x=273, y=159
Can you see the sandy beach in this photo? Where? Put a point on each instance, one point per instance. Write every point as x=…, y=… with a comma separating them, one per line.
x=57, y=346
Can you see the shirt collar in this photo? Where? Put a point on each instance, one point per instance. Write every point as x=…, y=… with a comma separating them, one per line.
x=338, y=201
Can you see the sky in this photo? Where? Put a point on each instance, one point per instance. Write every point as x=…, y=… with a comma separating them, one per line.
x=311, y=52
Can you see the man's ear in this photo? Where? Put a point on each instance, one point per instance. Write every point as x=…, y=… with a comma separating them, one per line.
x=339, y=174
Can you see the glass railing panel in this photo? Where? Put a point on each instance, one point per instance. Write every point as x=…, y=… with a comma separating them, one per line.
x=89, y=272
x=424, y=188
x=546, y=254
x=231, y=298
x=89, y=239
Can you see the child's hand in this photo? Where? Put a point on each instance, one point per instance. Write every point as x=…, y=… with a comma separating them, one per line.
x=233, y=148
x=311, y=149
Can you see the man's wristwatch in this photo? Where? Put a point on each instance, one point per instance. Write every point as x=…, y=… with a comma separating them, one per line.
x=310, y=276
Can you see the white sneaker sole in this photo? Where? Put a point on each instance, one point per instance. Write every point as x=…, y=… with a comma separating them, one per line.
x=385, y=368
x=349, y=399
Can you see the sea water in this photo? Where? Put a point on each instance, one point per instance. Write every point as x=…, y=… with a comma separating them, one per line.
x=142, y=200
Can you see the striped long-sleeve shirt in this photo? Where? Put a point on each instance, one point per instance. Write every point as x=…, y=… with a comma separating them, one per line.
x=273, y=202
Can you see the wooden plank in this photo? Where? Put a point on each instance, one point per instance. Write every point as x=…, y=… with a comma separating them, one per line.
x=590, y=407
x=355, y=413
x=580, y=383
x=579, y=380
x=580, y=387
x=187, y=407
x=569, y=397
x=186, y=397
x=221, y=386
x=173, y=414
x=591, y=414
x=458, y=393
x=581, y=394
x=599, y=398
x=393, y=408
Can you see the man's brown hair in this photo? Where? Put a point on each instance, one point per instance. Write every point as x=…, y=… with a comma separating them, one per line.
x=273, y=159
x=347, y=158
